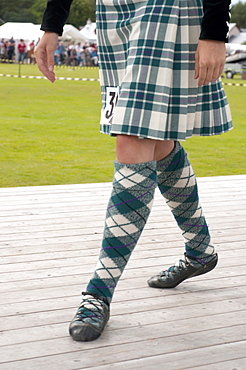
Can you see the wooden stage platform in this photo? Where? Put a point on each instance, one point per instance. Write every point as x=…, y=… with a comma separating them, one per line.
x=49, y=242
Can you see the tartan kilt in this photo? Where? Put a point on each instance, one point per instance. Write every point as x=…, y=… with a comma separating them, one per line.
x=146, y=63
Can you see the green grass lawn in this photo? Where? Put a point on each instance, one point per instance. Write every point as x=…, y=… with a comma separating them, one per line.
x=49, y=132
x=32, y=70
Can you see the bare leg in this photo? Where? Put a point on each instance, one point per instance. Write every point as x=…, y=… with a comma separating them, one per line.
x=131, y=149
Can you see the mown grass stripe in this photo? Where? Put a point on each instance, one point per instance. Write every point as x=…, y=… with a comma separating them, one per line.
x=57, y=78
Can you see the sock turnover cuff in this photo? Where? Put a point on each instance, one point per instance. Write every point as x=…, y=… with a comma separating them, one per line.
x=135, y=176
x=173, y=160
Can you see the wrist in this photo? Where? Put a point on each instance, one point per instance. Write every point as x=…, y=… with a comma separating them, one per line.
x=212, y=41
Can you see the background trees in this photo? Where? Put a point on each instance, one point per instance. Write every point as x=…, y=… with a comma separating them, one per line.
x=81, y=10
x=238, y=14
x=32, y=11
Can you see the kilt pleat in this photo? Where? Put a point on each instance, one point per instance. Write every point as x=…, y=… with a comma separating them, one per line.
x=147, y=59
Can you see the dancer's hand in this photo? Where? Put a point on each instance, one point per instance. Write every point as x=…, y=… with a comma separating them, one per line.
x=210, y=60
x=44, y=53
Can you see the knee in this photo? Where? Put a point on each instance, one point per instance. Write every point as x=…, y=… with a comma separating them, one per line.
x=131, y=149
x=163, y=148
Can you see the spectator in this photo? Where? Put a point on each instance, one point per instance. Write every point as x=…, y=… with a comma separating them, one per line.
x=72, y=54
x=87, y=50
x=79, y=50
x=2, y=49
x=30, y=53
x=11, y=48
x=82, y=62
x=62, y=52
x=73, y=57
x=22, y=51
x=94, y=56
x=57, y=56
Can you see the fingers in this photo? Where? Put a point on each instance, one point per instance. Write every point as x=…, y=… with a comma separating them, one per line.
x=206, y=75
x=45, y=67
x=196, y=66
x=45, y=55
x=209, y=61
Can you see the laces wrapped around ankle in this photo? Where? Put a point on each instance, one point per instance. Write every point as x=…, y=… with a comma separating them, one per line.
x=173, y=270
x=91, y=308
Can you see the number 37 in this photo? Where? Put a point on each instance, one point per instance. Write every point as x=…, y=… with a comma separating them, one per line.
x=112, y=95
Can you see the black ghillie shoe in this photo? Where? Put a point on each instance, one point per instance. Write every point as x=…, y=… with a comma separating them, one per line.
x=90, y=319
x=181, y=271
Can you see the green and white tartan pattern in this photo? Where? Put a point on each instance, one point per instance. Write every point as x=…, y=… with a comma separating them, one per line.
x=177, y=183
x=147, y=50
x=127, y=213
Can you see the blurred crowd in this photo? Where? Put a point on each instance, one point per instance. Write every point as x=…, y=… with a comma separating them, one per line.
x=69, y=54
x=76, y=54
x=12, y=51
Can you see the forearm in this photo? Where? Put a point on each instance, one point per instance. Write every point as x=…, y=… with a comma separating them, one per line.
x=215, y=23
x=55, y=15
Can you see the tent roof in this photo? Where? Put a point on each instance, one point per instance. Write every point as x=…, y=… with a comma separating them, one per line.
x=70, y=32
x=30, y=31
x=88, y=32
x=25, y=31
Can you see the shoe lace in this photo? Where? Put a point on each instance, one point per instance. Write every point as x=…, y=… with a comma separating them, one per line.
x=92, y=308
x=175, y=269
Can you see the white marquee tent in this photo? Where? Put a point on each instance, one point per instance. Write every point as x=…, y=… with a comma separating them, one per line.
x=25, y=31
x=89, y=32
x=30, y=31
x=71, y=33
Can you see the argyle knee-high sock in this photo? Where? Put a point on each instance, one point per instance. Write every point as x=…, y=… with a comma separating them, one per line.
x=128, y=209
x=177, y=183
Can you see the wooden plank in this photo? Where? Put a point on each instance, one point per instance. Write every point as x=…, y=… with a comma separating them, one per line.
x=63, y=250
x=136, y=343
x=54, y=268
x=143, y=330
x=75, y=279
x=174, y=361
x=47, y=255
x=182, y=360
x=16, y=256
x=207, y=183
x=98, y=200
x=235, y=364
x=15, y=331
x=62, y=207
x=160, y=225
x=145, y=296
x=87, y=260
x=84, y=261
x=84, y=235
x=71, y=286
x=62, y=314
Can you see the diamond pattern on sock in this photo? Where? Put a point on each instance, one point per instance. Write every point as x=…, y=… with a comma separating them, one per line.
x=120, y=226
x=128, y=178
x=128, y=210
x=112, y=270
x=177, y=183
